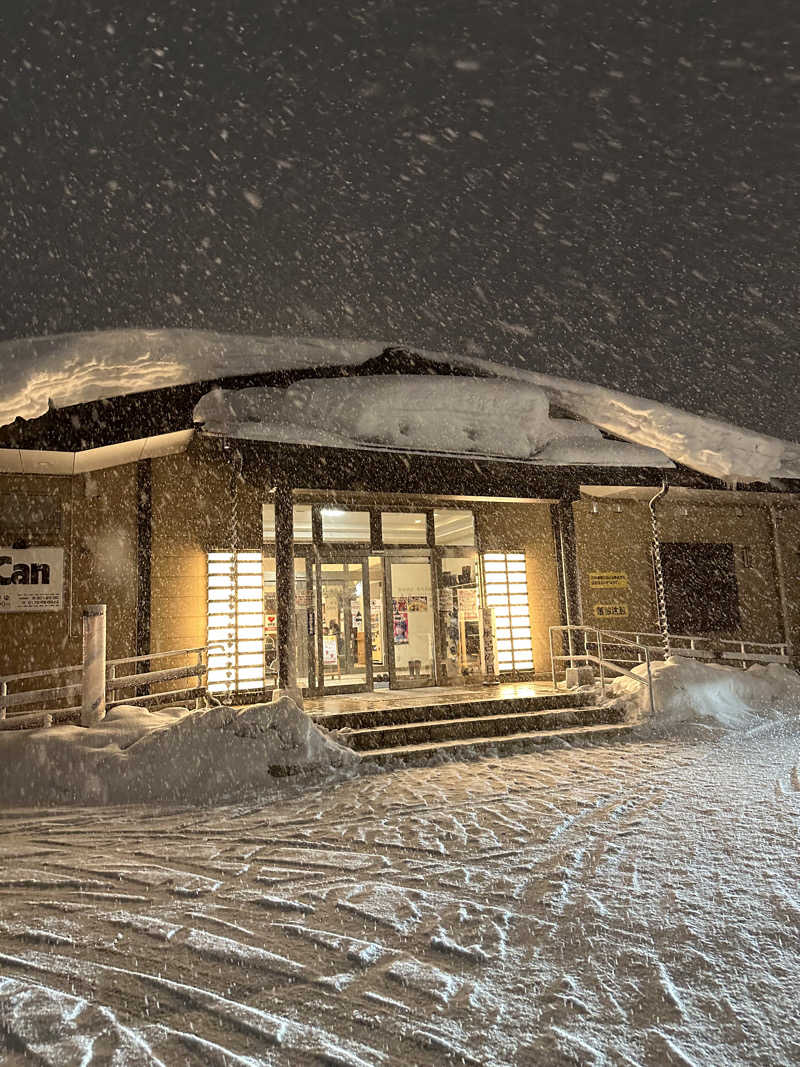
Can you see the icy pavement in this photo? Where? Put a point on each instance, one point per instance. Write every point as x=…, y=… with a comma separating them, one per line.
x=633, y=904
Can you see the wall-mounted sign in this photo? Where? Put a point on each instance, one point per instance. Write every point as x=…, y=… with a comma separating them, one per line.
x=608, y=580
x=31, y=579
x=611, y=611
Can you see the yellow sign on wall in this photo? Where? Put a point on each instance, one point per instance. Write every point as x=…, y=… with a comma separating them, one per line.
x=611, y=611
x=608, y=580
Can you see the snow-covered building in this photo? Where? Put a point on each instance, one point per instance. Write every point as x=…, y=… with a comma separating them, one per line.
x=342, y=516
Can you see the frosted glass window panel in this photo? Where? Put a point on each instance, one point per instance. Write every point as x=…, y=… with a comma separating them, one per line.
x=235, y=629
x=341, y=526
x=301, y=519
x=454, y=526
x=507, y=594
x=403, y=528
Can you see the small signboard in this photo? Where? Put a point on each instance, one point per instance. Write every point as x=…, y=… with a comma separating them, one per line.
x=608, y=580
x=31, y=579
x=611, y=611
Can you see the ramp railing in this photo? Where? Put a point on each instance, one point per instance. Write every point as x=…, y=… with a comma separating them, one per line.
x=604, y=657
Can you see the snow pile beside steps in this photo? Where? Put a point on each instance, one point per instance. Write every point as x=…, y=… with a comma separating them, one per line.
x=690, y=694
x=191, y=757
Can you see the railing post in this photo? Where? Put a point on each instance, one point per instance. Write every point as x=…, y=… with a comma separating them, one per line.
x=600, y=656
x=93, y=704
x=198, y=703
x=111, y=674
x=650, y=686
x=552, y=661
x=4, y=694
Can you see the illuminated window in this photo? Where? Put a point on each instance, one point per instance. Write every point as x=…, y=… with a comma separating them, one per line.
x=507, y=596
x=235, y=622
x=339, y=524
x=404, y=528
x=301, y=521
x=454, y=526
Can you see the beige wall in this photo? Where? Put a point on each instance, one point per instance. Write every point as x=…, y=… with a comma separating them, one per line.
x=192, y=515
x=94, y=520
x=95, y=524
x=527, y=528
x=618, y=538
x=788, y=526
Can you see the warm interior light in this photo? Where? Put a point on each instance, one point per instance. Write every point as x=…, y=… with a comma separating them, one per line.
x=235, y=622
x=507, y=593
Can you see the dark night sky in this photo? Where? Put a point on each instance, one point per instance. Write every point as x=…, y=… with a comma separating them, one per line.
x=605, y=190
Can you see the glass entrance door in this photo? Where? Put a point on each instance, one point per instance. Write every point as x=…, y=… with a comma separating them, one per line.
x=344, y=637
x=305, y=651
x=460, y=657
x=412, y=621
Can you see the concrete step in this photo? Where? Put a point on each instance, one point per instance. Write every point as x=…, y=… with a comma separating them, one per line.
x=460, y=707
x=523, y=740
x=463, y=727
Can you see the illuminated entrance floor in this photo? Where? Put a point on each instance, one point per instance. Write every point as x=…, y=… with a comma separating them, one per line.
x=427, y=696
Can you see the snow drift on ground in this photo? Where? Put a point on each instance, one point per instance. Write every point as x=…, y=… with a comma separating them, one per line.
x=74, y=368
x=485, y=416
x=194, y=757
x=688, y=692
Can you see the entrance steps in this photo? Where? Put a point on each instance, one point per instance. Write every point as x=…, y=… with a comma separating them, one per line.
x=410, y=732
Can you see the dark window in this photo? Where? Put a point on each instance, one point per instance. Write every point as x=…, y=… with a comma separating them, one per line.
x=701, y=589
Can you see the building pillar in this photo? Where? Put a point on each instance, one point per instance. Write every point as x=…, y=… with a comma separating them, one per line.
x=567, y=563
x=284, y=593
x=144, y=564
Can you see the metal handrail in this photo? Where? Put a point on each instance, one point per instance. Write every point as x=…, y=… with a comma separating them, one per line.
x=163, y=655
x=600, y=659
x=40, y=674
x=12, y=704
x=703, y=646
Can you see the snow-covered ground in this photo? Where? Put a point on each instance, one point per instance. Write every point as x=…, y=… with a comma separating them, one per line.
x=630, y=904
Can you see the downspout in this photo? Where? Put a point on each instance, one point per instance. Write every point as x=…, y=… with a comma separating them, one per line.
x=784, y=600
x=661, y=599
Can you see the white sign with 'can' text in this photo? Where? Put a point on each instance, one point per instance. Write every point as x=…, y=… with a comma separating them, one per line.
x=31, y=579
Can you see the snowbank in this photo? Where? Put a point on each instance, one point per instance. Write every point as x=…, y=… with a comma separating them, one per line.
x=76, y=368
x=689, y=693
x=194, y=757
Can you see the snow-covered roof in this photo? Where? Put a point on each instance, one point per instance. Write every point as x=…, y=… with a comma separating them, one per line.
x=77, y=368
x=446, y=415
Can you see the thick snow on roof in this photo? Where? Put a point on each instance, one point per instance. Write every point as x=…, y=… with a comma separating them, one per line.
x=418, y=413
x=76, y=368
